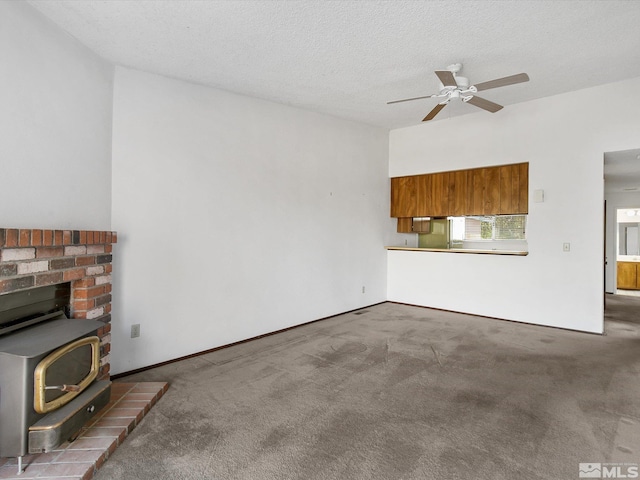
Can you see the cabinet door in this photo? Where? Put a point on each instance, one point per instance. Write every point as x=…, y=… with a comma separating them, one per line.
x=475, y=193
x=509, y=183
x=404, y=196
x=514, y=189
x=405, y=225
x=627, y=275
x=425, y=196
x=421, y=225
x=491, y=196
x=439, y=194
x=523, y=188
x=433, y=195
x=458, y=193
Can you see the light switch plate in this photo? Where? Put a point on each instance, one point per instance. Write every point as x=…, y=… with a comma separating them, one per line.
x=538, y=196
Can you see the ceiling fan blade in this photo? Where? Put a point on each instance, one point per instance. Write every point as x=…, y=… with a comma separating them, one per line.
x=409, y=99
x=503, y=82
x=434, y=112
x=447, y=78
x=484, y=104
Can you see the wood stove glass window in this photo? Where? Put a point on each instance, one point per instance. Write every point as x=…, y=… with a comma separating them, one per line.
x=65, y=373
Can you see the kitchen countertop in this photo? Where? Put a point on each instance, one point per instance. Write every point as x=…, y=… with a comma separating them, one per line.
x=461, y=250
x=628, y=258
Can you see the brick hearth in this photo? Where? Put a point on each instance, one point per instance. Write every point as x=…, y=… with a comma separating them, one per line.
x=80, y=459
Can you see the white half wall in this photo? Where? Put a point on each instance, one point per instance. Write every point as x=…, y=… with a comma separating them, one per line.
x=55, y=124
x=564, y=139
x=237, y=217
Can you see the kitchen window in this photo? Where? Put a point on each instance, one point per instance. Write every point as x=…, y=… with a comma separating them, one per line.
x=490, y=231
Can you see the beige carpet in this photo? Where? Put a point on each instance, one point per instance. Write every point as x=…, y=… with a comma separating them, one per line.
x=397, y=392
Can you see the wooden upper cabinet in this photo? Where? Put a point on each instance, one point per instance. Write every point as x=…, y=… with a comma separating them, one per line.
x=514, y=189
x=459, y=192
x=523, y=188
x=509, y=183
x=443, y=185
x=414, y=225
x=491, y=191
x=405, y=225
x=404, y=196
x=475, y=192
x=433, y=195
x=502, y=190
x=424, y=205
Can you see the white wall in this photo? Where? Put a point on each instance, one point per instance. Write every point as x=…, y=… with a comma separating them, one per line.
x=615, y=201
x=55, y=126
x=563, y=138
x=237, y=217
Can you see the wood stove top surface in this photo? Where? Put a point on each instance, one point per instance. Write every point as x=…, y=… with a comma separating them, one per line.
x=39, y=339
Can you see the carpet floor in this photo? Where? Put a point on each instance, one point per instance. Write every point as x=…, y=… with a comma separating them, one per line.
x=397, y=392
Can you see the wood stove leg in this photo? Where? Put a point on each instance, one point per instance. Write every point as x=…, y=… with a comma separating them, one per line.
x=20, y=469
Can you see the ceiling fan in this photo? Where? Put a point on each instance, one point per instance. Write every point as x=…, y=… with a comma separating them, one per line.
x=455, y=86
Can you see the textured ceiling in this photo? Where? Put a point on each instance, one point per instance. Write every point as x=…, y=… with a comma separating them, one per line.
x=348, y=58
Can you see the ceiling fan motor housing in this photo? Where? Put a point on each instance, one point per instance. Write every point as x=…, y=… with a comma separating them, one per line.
x=463, y=82
x=462, y=88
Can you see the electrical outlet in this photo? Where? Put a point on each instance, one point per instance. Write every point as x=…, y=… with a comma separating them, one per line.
x=363, y=289
x=566, y=247
x=135, y=330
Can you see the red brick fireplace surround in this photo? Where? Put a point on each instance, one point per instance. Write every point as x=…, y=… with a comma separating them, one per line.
x=33, y=258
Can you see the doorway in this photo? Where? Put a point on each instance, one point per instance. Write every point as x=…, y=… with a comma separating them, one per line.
x=622, y=222
x=628, y=251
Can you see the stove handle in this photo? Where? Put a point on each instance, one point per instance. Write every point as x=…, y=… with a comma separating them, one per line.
x=63, y=388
